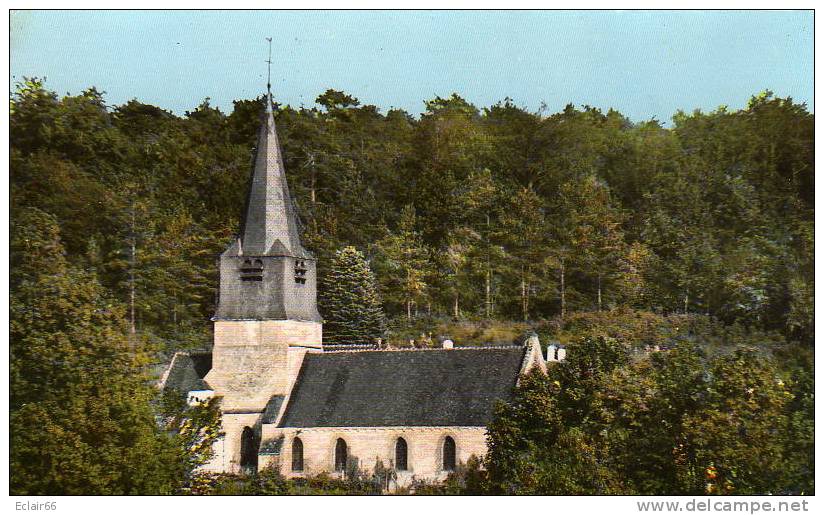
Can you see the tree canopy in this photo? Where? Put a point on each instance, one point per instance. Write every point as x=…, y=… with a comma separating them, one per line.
x=509, y=213
x=480, y=215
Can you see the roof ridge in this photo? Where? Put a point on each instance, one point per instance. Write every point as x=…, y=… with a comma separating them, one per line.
x=161, y=384
x=495, y=347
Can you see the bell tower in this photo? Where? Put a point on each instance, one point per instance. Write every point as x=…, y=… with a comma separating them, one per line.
x=266, y=274
x=267, y=317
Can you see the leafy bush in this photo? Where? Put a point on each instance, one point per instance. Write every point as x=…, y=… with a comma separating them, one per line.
x=674, y=422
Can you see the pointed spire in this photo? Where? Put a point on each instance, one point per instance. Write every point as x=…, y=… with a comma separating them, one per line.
x=270, y=226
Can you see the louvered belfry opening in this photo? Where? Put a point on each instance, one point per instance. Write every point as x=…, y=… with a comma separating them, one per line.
x=401, y=455
x=300, y=271
x=448, y=453
x=252, y=270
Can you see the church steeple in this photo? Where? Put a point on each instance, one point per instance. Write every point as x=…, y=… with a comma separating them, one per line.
x=267, y=316
x=270, y=226
x=266, y=274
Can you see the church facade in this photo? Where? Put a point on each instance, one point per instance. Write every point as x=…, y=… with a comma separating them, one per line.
x=291, y=404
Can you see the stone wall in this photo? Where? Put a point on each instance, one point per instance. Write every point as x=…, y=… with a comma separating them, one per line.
x=267, y=332
x=370, y=444
x=251, y=361
x=533, y=356
x=227, y=449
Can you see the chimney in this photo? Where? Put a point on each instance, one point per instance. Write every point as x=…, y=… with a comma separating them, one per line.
x=552, y=352
x=561, y=353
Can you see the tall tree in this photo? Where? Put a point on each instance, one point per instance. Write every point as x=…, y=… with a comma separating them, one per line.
x=81, y=421
x=406, y=259
x=592, y=227
x=479, y=199
x=349, y=301
x=522, y=230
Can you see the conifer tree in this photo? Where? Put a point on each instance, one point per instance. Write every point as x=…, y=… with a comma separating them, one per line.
x=349, y=301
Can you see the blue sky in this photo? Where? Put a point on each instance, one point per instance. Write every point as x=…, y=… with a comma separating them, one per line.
x=645, y=64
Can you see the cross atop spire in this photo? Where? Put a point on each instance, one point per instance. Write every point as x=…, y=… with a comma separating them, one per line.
x=269, y=70
x=270, y=226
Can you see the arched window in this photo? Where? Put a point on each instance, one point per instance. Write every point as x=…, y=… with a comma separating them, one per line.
x=297, y=455
x=401, y=454
x=341, y=452
x=249, y=444
x=448, y=453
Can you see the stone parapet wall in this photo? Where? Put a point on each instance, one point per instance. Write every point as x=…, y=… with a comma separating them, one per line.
x=533, y=357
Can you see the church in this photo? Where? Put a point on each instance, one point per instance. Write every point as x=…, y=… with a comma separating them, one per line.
x=289, y=403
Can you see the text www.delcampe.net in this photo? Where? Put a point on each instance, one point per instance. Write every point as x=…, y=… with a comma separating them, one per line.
x=723, y=506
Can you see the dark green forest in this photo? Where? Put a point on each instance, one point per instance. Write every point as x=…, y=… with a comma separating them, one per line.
x=473, y=213
x=473, y=220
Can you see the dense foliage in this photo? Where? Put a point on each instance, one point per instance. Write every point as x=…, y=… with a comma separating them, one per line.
x=494, y=213
x=666, y=422
x=269, y=481
x=497, y=219
x=81, y=421
x=468, y=478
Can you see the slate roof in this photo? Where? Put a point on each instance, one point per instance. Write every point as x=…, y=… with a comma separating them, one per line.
x=272, y=446
x=434, y=387
x=270, y=225
x=187, y=371
x=270, y=412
